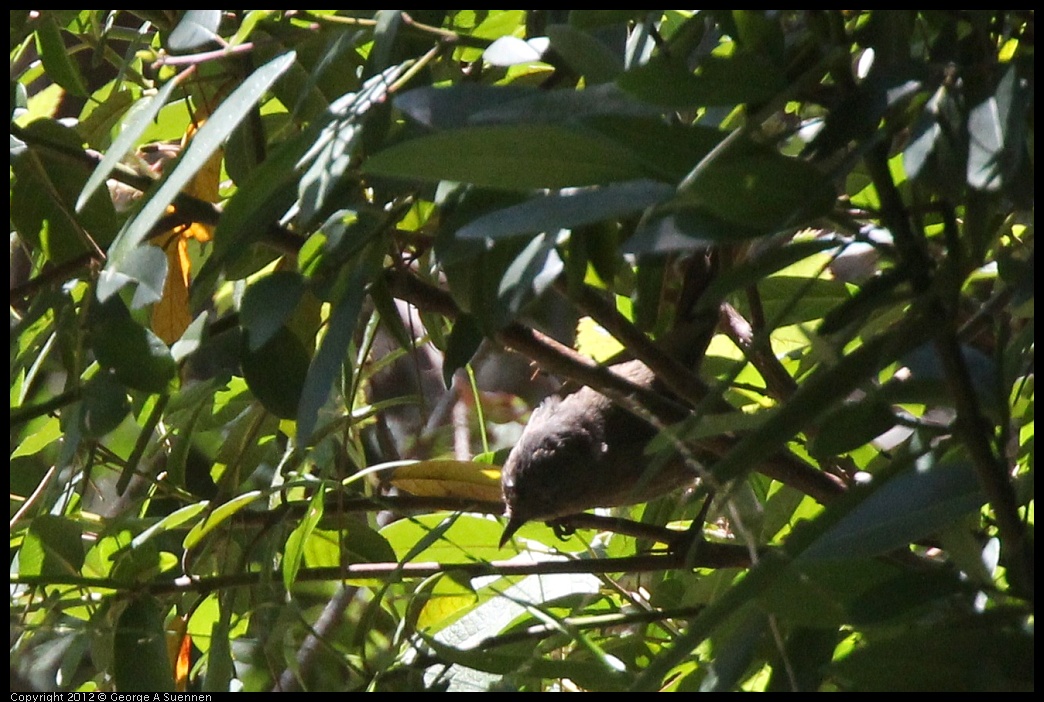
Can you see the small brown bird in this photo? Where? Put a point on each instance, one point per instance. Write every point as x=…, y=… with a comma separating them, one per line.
x=584, y=451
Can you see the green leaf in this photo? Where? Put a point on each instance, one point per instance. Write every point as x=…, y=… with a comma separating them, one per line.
x=331, y=152
x=908, y=507
x=276, y=371
x=140, y=659
x=995, y=136
x=452, y=107
x=172, y=521
x=204, y=144
x=196, y=30
x=594, y=19
x=687, y=230
x=744, y=77
x=754, y=270
x=540, y=156
x=861, y=110
x=268, y=304
x=53, y=546
x=103, y=407
x=266, y=195
x=56, y=58
x=147, y=266
x=329, y=360
x=464, y=340
x=140, y=120
x=139, y=358
x=826, y=387
x=977, y=652
x=46, y=183
x=294, y=552
x=219, y=516
x=758, y=188
x=220, y=667
x=852, y=425
x=567, y=209
x=468, y=538
x=584, y=53
x=532, y=272
x=669, y=151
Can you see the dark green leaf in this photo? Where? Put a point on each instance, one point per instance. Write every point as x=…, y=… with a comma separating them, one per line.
x=990, y=652
x=140, y=659
x=268, y=304
x=879, y=291
x=329, y=157
x=761, y=189
x=744, y=77
x=220, y=668
x=862, y=109
x=267, y=194
x=139, y=358
x=805, y=655
x=687, y=230
x=558, y=106
x=363, y=544
x=908, y=507
x=850, y=426
x=594, y=19
x=464, y=341
x=567, y=209
x=823, y=389
x=754, y=270
x=584, y=53
x=452, y=107
x=667, y=150
x=532, y=272
x=926, y=383
x=103, y=407
x=275, y=371
x=326, y=366
x=146, y=266
x=996, y=136
x=733, y=655
x=519, y=157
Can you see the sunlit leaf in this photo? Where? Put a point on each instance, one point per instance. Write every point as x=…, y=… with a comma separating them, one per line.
x=444, y=478
x=204, y=145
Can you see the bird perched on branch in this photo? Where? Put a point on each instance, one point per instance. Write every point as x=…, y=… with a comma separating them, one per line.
x=585, y=451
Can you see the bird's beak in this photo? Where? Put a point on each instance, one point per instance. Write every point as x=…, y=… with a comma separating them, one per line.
x=513, y=525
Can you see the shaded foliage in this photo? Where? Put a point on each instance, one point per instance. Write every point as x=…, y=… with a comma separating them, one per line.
x=265, y=265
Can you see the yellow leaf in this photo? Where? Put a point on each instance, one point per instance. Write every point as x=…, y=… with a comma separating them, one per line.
x=171, y=315
x=179, y=648
x=595, y=342
x=445, y=478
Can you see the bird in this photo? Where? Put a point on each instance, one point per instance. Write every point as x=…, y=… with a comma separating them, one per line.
x=584, y=451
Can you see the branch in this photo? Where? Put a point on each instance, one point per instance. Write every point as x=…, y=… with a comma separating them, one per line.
x=676, y=376
x=778, y=382
x=559, y=359
x=974, y=431
x=710, y=555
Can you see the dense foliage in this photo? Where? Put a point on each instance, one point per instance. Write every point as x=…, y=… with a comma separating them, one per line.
x=240, y=460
